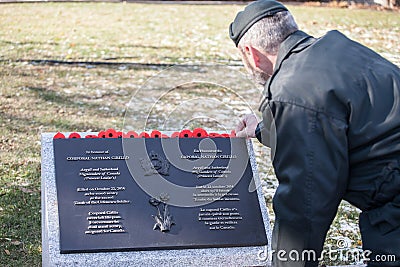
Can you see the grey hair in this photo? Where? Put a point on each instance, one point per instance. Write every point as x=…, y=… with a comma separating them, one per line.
x=268, y=33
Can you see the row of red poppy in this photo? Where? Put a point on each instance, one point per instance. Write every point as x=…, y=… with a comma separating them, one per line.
x=111, y=133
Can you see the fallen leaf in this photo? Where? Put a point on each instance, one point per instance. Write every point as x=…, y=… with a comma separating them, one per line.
x=16, y=243
x=7, y=251
x=27, y=190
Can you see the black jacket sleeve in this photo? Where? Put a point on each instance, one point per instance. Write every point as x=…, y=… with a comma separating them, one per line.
x=259, y=130
x=310, y=159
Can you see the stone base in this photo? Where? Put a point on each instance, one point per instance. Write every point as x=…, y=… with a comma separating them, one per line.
x=51, y=256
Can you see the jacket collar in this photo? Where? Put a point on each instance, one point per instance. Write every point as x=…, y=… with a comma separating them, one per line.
x=295, y=42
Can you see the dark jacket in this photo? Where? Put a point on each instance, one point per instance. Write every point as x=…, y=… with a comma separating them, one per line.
x=331, y=115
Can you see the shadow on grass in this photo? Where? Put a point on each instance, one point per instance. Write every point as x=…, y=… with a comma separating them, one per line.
x=74, y=101
x=90, y=44
x=27, y=122
x=129, y=65
x=19, y=124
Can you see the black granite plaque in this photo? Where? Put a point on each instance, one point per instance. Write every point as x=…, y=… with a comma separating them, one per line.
x=146, y=194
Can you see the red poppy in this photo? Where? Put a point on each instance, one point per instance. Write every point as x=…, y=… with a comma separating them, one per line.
x=59, y=136
x=119, y=134
x=164, y=136
x=131, y=134
x=175, y=134
x=155, y=134
x=185, y=134
x=200, y=133
x=74, y=135
x=214, y=135
x=91, y=136
x=144, y=135
x=102, y=134
x=111, y=133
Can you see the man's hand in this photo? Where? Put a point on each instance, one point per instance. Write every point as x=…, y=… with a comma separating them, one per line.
x=247, y=126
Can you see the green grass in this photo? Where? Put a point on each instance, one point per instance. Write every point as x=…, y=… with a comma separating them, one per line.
x=142, y=33
x=37, y=98
x=167, y=33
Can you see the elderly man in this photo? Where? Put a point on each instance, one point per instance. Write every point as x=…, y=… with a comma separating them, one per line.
x=331, y=114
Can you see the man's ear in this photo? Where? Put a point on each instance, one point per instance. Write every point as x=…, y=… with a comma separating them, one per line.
x=253, y=54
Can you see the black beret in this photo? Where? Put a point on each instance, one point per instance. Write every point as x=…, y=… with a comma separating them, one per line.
x=250, y=15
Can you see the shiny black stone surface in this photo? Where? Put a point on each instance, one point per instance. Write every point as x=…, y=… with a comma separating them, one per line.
x=148, y=194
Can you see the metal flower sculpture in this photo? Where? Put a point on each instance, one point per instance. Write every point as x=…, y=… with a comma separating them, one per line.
x=163, y=219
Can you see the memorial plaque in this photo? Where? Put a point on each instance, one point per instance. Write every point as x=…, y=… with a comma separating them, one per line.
x=151, y=193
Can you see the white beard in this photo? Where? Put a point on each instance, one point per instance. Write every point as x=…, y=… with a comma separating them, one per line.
x=259, y=77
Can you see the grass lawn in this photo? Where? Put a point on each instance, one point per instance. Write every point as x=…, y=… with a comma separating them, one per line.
x=36, y=98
